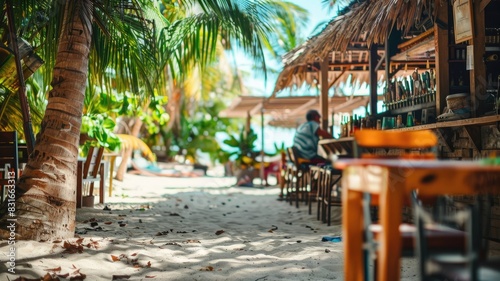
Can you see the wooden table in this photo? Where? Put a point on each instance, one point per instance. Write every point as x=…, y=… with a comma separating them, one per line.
x=393, y=180
x=110, y=158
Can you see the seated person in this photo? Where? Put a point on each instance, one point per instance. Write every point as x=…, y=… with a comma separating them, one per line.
x=307, y=137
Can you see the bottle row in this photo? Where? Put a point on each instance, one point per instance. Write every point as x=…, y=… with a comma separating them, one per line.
x=351, y=124
x=411, y=90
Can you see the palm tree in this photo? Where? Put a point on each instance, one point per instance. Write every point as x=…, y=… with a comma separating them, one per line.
x=222, y=77
x=45, y=193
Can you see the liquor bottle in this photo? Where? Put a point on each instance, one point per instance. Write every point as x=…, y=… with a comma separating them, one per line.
x=356, y=124
x=344, y=127
x=409, y=120
x=399, y=121
x=362, y=125
x=350, y=126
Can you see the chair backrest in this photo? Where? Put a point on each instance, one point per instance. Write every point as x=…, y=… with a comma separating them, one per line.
x=93, y=162
x=388, y=144
x=295, y=157
x=289, y=152
x=9, y=159
x=395, y=144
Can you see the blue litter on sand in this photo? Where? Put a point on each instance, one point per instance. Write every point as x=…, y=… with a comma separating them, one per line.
x=331, y=239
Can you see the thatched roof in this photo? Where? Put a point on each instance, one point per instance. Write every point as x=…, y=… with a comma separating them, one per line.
x=366, y=23
x=289, y=111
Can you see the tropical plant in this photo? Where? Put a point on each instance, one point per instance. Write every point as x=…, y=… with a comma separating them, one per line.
x=121, y=34
x=243, y=150
x=221, y=80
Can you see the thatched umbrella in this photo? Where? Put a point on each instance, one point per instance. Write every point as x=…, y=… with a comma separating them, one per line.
x=360, y=25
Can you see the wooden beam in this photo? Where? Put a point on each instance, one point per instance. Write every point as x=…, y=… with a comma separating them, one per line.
x=373, y=79
x=478, y=74
x=336, y=78
x=483, y=4
x=379, y=64
x=391, y=48
x=442, y=55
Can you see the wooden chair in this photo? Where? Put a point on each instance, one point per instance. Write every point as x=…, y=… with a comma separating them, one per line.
x=314, y=181
x=9, y=161
x=328, y=193
x=292, y=177
x=89, y=172
x=301, y=175
x=399, y=145
x=286, y=173
x=289, y=175
x=473, y=263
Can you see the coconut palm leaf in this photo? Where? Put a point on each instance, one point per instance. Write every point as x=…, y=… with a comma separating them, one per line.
x=135, y=143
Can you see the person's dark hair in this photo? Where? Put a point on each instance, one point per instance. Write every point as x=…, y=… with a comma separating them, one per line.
x=311, y=114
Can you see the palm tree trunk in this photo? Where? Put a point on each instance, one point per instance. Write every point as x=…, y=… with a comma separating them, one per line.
x=45, y=196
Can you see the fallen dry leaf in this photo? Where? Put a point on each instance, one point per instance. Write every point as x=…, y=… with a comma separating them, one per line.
x=219, y=232
x=57, y=269
x=49, y=277
x=207, y=268
x=73, y=248
x=115, y=258
x=93, y=244
x=77, y=271
x=78, y=277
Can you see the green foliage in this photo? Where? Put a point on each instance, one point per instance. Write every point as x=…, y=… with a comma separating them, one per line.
x=97, y=124
x=197, y=132
x=244, y=147
x=279, y=149
x=99, y=128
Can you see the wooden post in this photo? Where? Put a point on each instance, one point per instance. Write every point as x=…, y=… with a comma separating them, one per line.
x=478, y=81
x=373, y=79
x=323, y=101
x=442, y=55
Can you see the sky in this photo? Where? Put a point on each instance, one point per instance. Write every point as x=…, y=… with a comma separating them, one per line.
x=275, y=135
x=316, y=15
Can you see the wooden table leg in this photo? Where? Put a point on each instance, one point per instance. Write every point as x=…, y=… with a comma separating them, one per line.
x=352, y=229
x=391, y=204
x=111, y=170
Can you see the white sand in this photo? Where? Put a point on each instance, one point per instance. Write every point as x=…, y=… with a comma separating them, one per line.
x=166, y=229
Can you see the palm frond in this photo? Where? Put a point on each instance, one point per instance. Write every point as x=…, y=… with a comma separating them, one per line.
x=135, y=143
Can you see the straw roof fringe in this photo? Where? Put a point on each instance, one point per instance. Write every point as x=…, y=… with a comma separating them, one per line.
x=367, y=23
